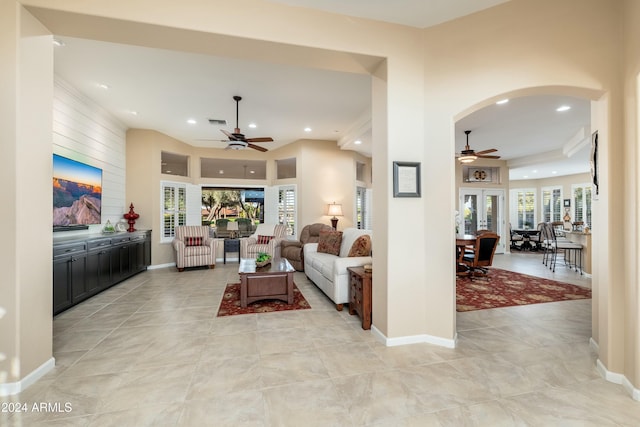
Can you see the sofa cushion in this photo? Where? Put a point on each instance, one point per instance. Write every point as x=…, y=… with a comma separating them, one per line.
x=361, y=247
x=193, y=241
x=197, y=250
x=329, y=242
x=323, y=264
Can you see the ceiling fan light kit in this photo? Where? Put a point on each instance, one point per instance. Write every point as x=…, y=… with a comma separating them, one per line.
x=467, y=158
x=236, y=145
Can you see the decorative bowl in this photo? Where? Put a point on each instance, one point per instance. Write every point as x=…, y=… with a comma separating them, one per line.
x=263, y=263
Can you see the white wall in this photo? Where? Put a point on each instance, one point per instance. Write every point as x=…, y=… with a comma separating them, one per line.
x=83, y=131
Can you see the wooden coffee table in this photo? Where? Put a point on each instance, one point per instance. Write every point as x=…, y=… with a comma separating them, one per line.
x=273, y=281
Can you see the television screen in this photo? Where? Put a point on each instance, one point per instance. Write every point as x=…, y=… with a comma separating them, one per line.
x=77, y=193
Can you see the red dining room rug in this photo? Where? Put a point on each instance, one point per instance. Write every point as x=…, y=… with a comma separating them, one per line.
x=504, y=288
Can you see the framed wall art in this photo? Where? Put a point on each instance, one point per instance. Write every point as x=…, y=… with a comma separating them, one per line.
x=594, y=166
x=406, y=179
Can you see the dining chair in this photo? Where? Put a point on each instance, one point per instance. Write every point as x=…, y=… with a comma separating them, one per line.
x=479, y=261
x=553, y=245
x=515, y=238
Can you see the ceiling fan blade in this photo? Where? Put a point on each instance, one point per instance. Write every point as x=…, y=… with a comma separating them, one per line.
x=262, y=139
x=484, y=156
x=490, y=150
x=257, y=147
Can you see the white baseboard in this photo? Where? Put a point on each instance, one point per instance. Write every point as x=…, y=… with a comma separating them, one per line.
x=616, y=378
x=413, y=339
x=9, y=389
x=158, y=266
x=594, y=345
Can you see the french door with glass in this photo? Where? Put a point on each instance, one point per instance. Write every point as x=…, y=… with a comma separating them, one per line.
x=483, y=210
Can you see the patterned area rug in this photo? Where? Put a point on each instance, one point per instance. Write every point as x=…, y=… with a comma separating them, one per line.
x=230, y=303
x=507, y=288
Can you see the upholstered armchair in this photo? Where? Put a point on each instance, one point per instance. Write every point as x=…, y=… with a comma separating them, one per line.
x=193, y=247
x=292, y=249
x=266, y=238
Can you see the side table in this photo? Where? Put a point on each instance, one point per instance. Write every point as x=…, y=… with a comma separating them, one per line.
x=231, y=245
x=360, y=294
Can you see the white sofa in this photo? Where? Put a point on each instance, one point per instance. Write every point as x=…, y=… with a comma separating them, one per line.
x=329, y=272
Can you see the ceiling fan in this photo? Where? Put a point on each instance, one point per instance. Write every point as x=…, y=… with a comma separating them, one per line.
x=237, y=141
x=468, y=155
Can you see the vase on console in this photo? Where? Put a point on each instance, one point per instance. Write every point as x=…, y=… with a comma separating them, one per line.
x=131, y=217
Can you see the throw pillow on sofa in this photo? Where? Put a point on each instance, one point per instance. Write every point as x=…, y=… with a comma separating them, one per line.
x=361, y=247
x=329, y=242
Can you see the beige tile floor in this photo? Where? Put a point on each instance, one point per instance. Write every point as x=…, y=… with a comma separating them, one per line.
x=150, y=352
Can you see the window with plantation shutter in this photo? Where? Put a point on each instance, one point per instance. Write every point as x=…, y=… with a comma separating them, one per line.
x=280, y=207
x=287, y=209
x=552, y=204
x=174, y=209
x=581, y=203
x=522, y=212
x=363, y=208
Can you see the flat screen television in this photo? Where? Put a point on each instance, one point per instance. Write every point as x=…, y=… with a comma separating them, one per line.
x=77, y=194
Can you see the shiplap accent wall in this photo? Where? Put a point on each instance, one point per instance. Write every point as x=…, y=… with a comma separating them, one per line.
x=85, y=132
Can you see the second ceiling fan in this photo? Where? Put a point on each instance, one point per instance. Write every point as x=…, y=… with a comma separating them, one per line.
x=237, y=140
x=468, y=155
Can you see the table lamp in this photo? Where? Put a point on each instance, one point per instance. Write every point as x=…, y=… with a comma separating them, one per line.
x=335, y=210
x=232, y=226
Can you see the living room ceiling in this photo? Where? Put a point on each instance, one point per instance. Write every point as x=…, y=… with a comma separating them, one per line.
x=161, y=89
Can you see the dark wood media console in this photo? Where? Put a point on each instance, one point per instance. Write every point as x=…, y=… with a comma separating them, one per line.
x=84, y=265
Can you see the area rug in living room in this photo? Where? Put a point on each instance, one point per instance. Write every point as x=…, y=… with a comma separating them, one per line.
x=230, y=303
x=507, y=288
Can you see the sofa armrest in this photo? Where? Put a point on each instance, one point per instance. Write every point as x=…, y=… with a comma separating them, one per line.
x=177, y=244
x=310, y=247
x=290, y=244
x=209, y=242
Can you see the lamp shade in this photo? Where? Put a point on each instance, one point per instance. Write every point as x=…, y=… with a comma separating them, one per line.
x=334, y=209
x=232, y=226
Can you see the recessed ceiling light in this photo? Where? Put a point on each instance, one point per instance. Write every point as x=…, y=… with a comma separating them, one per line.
x=563, y=108
x=535, y=171
x=252, y=125
x=358, y=142
x=502, y=101
x=525, y=176
x=133, y=113
x=104, y=86
x=220, y=171
x=192, y=121
x=167, y=171
x=554, y=172
x=307, y=129
x=58, y=42
x=252, y=171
